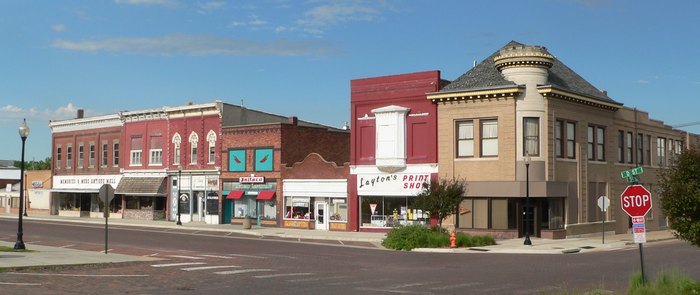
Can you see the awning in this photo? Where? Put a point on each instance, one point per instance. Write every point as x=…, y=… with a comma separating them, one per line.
x=266, y=195
x=141, y=186
x=235, y=195
x=75, y=190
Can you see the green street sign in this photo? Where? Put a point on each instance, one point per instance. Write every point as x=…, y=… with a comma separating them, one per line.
x=632, y=172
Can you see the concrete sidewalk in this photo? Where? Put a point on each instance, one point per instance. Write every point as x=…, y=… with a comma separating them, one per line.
x=51, y=256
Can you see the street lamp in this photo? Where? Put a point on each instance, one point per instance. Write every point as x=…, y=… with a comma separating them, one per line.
x=23, y=133
x=26, y=200
x=179, y=179
x=527, y=199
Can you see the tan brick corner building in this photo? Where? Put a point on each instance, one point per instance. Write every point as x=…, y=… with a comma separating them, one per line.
x=522, y=105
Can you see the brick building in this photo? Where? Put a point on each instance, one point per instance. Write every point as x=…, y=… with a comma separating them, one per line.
x=521, y=115
x=86, y=155
x=252, y=172
x=393, y=148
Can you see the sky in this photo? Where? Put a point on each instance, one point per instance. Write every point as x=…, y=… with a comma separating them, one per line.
x=296, y=58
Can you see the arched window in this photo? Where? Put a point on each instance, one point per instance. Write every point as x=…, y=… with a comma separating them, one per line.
x=211, y=138
x=176, y=148
x=193, y=147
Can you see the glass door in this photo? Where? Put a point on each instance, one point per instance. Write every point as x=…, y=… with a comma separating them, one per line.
x=319, y=214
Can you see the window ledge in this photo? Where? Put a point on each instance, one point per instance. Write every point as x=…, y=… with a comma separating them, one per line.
x=567, y=160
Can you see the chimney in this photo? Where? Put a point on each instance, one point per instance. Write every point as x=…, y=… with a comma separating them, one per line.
x=81, y=113
x=293, y=120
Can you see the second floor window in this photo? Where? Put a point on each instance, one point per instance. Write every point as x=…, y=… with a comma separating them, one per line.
x=105, y=154
x=596, y=143
x=565, y=139
x=91, y=160
x=489, y=138
x=620, y=146
x=661, y=151
x=115, y=154
x=177, y=140
x=193, y=148
x=628, y=147
x=81, y=156
x=465, y=139
x=69, y=156
x=640, y=149
x=531, y=136
x=58, y=157
x=156, y=151
x=136, y=151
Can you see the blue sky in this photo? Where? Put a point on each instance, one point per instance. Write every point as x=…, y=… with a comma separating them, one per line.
x=298, y=57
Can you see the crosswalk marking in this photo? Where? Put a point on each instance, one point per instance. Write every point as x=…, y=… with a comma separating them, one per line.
x=233, y=272
x=177, y=264
x=283, y=275
x=317, y=279
x=216, y=256
x=247, y=256
x=208, y=267
x=185, y=257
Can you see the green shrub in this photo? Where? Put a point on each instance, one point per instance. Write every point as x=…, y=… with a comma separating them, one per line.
x=418, y=236
x=666, y=282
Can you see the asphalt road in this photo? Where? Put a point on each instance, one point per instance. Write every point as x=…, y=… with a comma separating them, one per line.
x=199, y=262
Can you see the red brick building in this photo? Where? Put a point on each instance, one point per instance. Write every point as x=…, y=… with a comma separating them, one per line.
x=254, y=157
x=142, y=188
x=393, y=148
x=86, y=154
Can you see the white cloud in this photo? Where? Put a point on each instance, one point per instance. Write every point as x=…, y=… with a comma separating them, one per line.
x=254, y=21
x=12, y=113
x=58, y=27
x=147, y=2
x=198, y=45
x=211, y=6
x=337, y=12
x=642, y=81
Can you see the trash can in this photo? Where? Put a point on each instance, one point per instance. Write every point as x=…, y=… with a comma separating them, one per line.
x=247, y=223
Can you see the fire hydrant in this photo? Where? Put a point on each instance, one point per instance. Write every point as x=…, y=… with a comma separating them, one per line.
x=453, y=240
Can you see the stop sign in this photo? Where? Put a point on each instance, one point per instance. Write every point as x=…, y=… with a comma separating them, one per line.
x=636, y=200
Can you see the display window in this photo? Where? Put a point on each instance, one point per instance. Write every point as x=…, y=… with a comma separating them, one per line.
x=390, y=211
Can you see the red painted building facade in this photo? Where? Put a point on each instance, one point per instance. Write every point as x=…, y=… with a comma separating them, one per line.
x=252, y=180
x=393, y=148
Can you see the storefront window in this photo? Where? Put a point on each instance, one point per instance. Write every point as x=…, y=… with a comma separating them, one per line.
x=245, y=207
x=269, y=210
x=338, y=210
x=145, y=203
x=70, y=202
x=390, y=212
x=298, y=208
x=96, y=204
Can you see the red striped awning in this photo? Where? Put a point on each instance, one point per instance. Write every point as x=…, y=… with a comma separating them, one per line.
x=266, y=195
x=235, y=195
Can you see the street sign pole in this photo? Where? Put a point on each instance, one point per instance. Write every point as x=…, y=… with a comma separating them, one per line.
x=106, y=193
x=636, y=202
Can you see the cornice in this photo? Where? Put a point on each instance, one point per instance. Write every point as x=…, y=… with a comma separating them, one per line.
x=549, y=91
x=505, y=93
x=80, y=124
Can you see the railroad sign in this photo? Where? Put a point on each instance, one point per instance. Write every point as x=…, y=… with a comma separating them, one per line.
x=636, y=200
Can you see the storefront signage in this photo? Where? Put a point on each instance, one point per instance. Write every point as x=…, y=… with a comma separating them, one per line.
x=395, y=184
x=85, y=181
x=254, y=186
x=252, y=179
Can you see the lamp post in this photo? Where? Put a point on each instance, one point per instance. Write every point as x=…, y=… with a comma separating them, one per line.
x=527, y=199
x=179, y=179
x=26, y=200
x=23, y=133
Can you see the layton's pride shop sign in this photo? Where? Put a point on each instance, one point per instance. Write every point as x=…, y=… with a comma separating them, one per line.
x=395, y=184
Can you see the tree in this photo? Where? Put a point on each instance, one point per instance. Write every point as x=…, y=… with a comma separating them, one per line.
x=441, y=198
x=35, y=165
x=680, y=196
